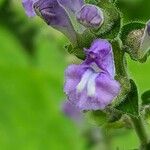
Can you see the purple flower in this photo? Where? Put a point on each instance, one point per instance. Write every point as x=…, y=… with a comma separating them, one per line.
x=90, y=16
x=66, y=16
x=91, y=85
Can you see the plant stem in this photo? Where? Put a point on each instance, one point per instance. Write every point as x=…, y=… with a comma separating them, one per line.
x=121, y=71
x=140, y=129
x=119, y=59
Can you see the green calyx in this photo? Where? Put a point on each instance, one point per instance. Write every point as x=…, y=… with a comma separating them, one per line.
x=83, y=41
x=132, y=36
x=112, y=21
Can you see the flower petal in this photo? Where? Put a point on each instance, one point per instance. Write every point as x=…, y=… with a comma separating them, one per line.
x=55, y=16
x=72, y=5
x=73, y=76
x=106, y=91
x=71, y=111
x=90, y=16
x=28, y=6
x=99, y=92
x=101, y=53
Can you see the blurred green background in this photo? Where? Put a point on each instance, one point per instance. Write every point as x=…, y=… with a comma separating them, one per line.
x=32, y=64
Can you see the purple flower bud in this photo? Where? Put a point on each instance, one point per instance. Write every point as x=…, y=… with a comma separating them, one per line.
x=90, y=16
x=55, y=16
x=91, y=85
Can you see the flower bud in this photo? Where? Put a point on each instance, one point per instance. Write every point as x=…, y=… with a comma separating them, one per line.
x=72, y=6
x=56, y=16
x=90, y=16
x=59, y=14
x=137, y=42
x=110, y=26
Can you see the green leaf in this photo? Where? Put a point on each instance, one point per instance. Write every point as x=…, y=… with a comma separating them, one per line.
x=11, y=51
x=146, y=98
x=133, y=10
x=19, y=27
x=1, y=2
x=130, y=104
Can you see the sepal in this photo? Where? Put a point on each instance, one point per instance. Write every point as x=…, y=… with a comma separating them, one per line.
x=112, y=21
x=83, y=40
x=136, y=40
x=98, y=117
x=108, y=119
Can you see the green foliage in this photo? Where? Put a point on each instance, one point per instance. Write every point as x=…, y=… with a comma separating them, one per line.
x=17, y=25
x=130, y=104
x=134, y=10
x=30, y=98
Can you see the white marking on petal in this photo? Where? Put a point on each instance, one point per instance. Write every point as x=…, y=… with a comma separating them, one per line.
x=91, y=86
x=84, y=80
x=95, y=67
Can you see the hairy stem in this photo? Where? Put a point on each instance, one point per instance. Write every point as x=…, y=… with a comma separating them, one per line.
x=141, y=132
x=119, y=58
x=121, y=71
